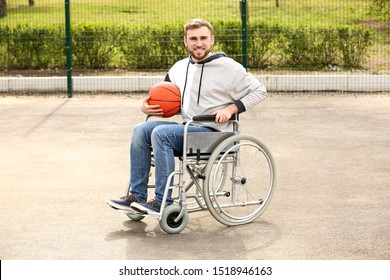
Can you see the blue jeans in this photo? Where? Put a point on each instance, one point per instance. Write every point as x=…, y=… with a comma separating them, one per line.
x=166, y=139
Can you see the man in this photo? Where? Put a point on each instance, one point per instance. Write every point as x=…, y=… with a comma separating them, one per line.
x=210, y=84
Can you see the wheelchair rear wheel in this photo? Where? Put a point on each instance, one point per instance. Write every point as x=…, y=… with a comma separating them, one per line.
x=250, y=171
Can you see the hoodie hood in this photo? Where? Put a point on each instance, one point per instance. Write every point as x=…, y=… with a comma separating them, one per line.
x=211, y=58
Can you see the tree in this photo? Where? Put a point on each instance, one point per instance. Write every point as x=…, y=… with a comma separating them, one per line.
x=277, y=3
x=3, y=8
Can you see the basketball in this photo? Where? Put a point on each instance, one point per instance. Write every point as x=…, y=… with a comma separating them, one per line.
x=167, y=95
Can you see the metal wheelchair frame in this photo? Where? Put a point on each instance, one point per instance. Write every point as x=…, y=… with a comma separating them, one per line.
x=234, y=194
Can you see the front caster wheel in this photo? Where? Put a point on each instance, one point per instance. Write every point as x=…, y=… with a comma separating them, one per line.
x=167, y=222
x=135, y=217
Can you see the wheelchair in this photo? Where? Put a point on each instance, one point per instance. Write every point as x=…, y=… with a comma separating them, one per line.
x=229, y=174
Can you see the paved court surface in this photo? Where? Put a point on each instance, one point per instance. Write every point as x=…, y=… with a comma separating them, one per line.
x=61, y=159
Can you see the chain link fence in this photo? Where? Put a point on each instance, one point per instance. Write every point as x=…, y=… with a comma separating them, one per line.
x=134, y=37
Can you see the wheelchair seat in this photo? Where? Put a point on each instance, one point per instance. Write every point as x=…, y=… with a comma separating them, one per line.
x=204, y=143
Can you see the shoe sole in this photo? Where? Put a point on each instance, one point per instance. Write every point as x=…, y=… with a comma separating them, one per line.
x=117, y=206
x=142, y=209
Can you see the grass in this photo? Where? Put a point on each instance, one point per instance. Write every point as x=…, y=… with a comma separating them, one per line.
x=136, y=12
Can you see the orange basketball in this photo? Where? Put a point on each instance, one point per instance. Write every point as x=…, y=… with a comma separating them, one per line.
x=167, y=95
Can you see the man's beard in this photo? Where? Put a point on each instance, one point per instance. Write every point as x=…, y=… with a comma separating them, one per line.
x=201, y=56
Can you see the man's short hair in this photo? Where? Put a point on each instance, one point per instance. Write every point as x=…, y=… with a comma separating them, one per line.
x=197, y=23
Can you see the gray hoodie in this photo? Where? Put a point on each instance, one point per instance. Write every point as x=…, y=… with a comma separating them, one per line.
x=214, y=84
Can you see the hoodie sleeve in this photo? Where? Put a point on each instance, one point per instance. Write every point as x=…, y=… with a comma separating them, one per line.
x=247, y=90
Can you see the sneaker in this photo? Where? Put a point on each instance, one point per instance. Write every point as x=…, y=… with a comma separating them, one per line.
x=151, y=206
x=123, y=203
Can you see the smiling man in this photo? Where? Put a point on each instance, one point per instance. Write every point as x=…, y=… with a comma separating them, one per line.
x=198, y=39
x=210, y=84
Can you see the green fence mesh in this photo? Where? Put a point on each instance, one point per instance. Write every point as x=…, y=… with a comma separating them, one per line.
x=139, y=37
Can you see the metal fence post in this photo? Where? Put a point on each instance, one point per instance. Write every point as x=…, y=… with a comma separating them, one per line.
x=68, y=47
x=244, y=19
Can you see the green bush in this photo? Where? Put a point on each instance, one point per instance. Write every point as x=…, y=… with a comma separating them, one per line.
x=261, y=39
x=305, y=47
x=228, y=39
x=302, y=47
x=295, y=46
x=4, y=39
x=26, y=47
x=262, y=45
x=159, y=47
x=353, y=44
x=94, y=46
x=325, y=51
x=151, y=47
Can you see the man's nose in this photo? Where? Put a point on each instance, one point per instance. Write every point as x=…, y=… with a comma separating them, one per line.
x=198, y=42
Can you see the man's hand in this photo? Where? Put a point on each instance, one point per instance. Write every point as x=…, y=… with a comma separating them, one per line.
x=151, y=110
x=224, y=115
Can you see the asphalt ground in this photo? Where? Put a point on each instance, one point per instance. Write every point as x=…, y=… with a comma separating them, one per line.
x=61, y=159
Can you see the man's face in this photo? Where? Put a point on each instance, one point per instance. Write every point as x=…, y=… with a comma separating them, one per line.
x=199, y=42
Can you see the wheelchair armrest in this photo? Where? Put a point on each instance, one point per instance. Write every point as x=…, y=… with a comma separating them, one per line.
x=209, y=118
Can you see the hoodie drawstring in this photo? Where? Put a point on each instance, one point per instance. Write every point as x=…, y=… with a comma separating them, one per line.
x=185, y=83
x=200, y=83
